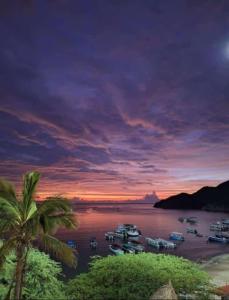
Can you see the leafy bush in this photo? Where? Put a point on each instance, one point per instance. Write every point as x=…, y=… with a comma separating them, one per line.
x=41, y=277
x=135, y=277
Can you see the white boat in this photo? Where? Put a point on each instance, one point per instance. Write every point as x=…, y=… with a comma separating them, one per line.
x=125, y=230
x=132, y=233
x=136, y=245
x=127, y=248
x=167, y=244
x=116, y=249
x=153, y=242
x=160, y=243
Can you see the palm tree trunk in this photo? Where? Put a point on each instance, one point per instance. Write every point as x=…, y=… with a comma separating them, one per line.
x=23, y=270
x=19, y=272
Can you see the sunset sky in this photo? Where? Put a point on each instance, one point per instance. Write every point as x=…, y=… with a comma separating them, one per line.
x=113, y=99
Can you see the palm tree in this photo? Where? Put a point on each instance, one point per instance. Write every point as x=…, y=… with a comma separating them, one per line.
x=22, y=221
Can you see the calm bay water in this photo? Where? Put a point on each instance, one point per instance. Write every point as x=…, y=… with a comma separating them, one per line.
x=96, y=220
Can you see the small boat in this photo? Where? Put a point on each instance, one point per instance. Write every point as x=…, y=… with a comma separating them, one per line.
x=160, y=243
x=110, y=236
x=127, y=248
x=93, y=243
x=136, y=245
x=153, y=242
x=218, y=226
x=166, y=244
x=176, y=236
x=191, y=220
x=132, y=233
x=116, y=249
x=225, y=222
x=217, y=239
x=223, y=234
x=191, y=230
x=71, y=244
x=125, y=230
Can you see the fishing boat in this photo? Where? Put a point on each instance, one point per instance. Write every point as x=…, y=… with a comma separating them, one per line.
x=160, y=243
x=218, y=226
x=191, y=230
x=116, y=249
x=127, y=248
x=217, y=239
x=110, y=236
x=176, y=236
x=153, y=242
x=225, y=221
x=93, y=243
x=166, y=244
x=191, y=220
x=125, y=230
x=136, y=245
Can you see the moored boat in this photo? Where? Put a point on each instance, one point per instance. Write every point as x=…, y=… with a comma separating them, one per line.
x=116, y=249
x=176, y=236
x=217, y=239
x=110, y=236
x=218, y=226
x=93, y=243
x=127, y=248
x=136, y=245
x=153, y=242
x=191, y=230
x=191, y=220
x=166, y=244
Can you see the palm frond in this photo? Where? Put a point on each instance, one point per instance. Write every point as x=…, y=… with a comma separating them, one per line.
x=49, y=224
x=9, y=209
x=55, y=204
x=30, y=182
x=59, y=249
x=7, y=191
x=6, y=248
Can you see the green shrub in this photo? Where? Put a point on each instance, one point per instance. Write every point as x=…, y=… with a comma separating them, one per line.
x=136, y=277
x=41, y=277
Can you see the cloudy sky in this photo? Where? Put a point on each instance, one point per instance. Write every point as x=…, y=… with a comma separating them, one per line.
x=112, y=99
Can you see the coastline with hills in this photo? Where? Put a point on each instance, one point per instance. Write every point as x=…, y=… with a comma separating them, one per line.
x=206, y=198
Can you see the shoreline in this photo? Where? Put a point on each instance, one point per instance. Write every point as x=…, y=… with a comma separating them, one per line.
x=218, y=269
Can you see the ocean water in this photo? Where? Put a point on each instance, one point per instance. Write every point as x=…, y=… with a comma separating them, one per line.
x=95, y=221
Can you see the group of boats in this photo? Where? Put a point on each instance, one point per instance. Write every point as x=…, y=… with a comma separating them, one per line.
x=129, y=234
x=123, y=231
x=221, y=229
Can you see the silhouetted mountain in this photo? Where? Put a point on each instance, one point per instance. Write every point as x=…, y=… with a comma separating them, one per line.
x=207, y=198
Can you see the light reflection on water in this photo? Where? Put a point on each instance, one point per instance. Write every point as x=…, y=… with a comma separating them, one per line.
x=96, y=220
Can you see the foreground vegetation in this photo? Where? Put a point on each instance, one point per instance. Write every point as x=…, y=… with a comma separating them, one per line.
x=22, y=221
x=129, y=277
x=134, y=277
x=42, y=277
